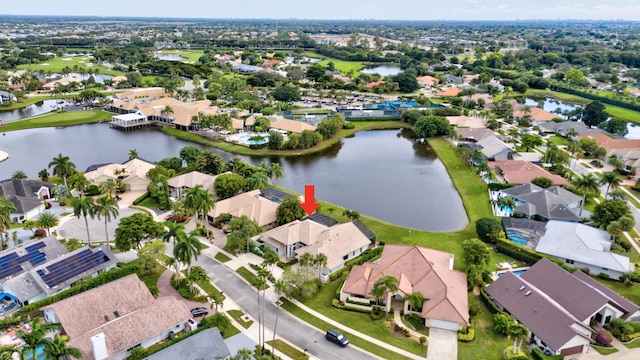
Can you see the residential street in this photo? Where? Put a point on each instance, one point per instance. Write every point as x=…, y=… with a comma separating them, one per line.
x=289, y=328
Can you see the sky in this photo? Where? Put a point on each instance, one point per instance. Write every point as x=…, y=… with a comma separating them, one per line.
x=335, y=9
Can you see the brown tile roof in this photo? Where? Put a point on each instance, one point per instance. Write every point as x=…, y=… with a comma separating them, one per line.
x=250, y=204
x=522, y=172
x=449, y=92
x=291, y=125
x=373, y=84
x=141, y=316
x=192, y=179
x=427, y=80
x=466, y=121
x=417, y=269
x=610, y=143
x=536, y=114
x=475, y=133
x=537, y=311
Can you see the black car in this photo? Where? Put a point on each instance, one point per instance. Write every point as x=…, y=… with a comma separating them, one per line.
x=335, y=337
x=199, y=311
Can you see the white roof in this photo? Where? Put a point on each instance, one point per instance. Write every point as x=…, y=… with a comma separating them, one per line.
x=130, y=117
x=581, y=243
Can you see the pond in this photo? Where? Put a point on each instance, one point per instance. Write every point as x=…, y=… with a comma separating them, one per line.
x=383, y=70
x=386, y=174
x=169, y=57
x=31, y=110
x=99, y=78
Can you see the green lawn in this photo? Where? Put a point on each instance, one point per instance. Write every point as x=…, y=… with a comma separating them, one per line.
x=222, y=257
x=343, y=66
x=488, y=344
x=237, y=316
x=605, y=351
x=248, y=275
x=56, y=64
x=635, y=193
x=63, y=118
x=149, y=203
x=559, y=140
x=321, y=302
x=634, y=344
x=356, y=341
x=631, y=293
x=288, y=350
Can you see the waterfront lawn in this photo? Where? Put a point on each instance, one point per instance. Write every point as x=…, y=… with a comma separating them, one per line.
x=321, y=302
x=341, y=65
x=355, y=341
x=63, y=118
x=631, y=293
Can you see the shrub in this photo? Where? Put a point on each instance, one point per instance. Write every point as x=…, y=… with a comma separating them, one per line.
x=140, y=198
x=93, y=190
x=467, y=336
x=486, y=299
x=47, y=205
x=376, y=314
x=517, y=252
x=349, y=126
x=499, y=186
x=604, y=338
x=40, y=233
x=337, y=304
x=537, y=354
x=400, y=330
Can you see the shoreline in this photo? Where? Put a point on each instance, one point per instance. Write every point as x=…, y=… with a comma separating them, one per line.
x=3, y=156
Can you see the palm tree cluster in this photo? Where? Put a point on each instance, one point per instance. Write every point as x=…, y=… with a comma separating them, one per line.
x=105, y=206
x=319, y=261
x=38, y=337
x=6, y=208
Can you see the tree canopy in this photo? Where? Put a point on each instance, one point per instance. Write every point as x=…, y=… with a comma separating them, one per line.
x=431, y=125
x=228, y=185
x=133, y=230
x=288, y=211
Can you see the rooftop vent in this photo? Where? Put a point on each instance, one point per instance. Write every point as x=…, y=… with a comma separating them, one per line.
x=106, y=317
x=521, y=288
x=116, y=313
x=527, y=293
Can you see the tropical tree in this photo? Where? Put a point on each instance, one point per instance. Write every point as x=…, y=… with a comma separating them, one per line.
x=200, y=201
x=43, y=175
x=6, y=208
x=109, y=187
x=259, y=283
x=259, y=179
x=506, y=202
x=612, y=180
x=62, y=166
x=106, y=207
x=389, y=285
x=476, y=256
x=289, y=210
x=517, y=331
x=19, y=175
x=216, y=299
x=275, y=173
x=187, y=249
x=47, y=220
x=78, y=182
x=415, y=299
x=84, y=206
x=351, y=214
x=242, y=229
x=306, y=260
x=320, y=261
x=133, y=153
x=59, y=348
x=133, y=230
x=585, y=184
x=173, y=231
x=167, y=111
x=280, y=288
x=35, y=338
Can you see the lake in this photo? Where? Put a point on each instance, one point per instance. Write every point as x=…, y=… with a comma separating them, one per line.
x=383, y=70
x=169, y=57
x=386, y=174
x=31, y=110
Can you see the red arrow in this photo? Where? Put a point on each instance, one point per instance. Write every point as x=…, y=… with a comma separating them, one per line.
x=309, y=205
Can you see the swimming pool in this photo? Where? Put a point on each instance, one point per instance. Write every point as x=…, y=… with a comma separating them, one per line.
x=249, y=139
x=517, y=237
x=516, y=272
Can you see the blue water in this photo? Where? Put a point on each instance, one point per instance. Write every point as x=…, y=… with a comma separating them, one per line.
x=517, y=238
x=516, y=273
x=39, y=353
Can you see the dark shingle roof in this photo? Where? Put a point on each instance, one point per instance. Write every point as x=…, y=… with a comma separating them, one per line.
x=365, y=230
x=322, y=219
x=274, y=194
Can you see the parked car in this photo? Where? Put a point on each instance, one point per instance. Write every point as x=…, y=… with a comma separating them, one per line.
x=336, y=337
x=199, y=311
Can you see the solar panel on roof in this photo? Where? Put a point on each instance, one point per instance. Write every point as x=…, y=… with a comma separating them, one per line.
x=73, y=266
x=37, y=246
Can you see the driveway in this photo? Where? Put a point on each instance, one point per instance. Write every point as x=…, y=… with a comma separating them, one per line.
x=165, y=289
x=443, y=345
x=73, y=227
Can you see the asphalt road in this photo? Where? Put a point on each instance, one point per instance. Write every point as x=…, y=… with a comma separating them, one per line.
x=289, y=327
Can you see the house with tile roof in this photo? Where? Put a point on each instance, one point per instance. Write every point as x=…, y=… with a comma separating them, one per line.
x=132, y=173
x=611, y=144
x=252, y=204
x=495, y=149
x=536, y=115
x=339, y=242
x=178, y=185
x=286, y=125
x=583, y=247
x=536, y=203
x=107, y=322
x=451, y=92
x=417, y=269
x=519, y=172
x=558, y=306
x=27, y=196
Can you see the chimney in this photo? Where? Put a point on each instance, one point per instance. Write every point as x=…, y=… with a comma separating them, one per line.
x=99, y=345
x=451, y=262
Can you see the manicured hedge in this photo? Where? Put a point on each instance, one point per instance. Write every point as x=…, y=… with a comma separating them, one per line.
x=491, y=305
x=517, y=252
x=537, y=354
x=141, y=198
x=469, y=336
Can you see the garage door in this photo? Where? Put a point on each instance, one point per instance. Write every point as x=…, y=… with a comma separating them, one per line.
x=571, y=350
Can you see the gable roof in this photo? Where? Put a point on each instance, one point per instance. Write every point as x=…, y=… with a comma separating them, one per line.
x=627, y=306
x=291, y=125
x=473, y=133
x=417, y=269
x=532, y=307
x=19, y=259
x=522, y=172
x=251, y=204
x=610, y=143
x=22, y=193
x=492, y=147
x=452, y=92
x=134, y=169
x=192, y=179
x=336, y=242
x=140, y=316
x=535, y=113
x=207, y=344
x=305, y=231
x=579, y=242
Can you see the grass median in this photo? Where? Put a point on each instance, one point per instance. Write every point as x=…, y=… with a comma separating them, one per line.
x=354, y=340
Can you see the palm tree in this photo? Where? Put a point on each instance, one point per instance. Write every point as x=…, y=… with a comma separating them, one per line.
x=35, y=338
x=275, y=173
x=259, y=283
x=187, y=249
x=85, y=206
x=200, y=201
x=107, y=207
x=612, y=180
x=320, y=261
x=19, y=175
x=280, y=287
x=174, y=231
x=133, y=153
x=259, y=179
x=62, y=166
x=305, y=260
x=43, y=175
x=385, y=285
x=6, y=352
x=109, y=187
x=585, y=184
x=505, y=202
x=517, y=331
x=166, y=111
x=47, y=220
x=59, y=348
x=415, y=299
x=6, y=208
